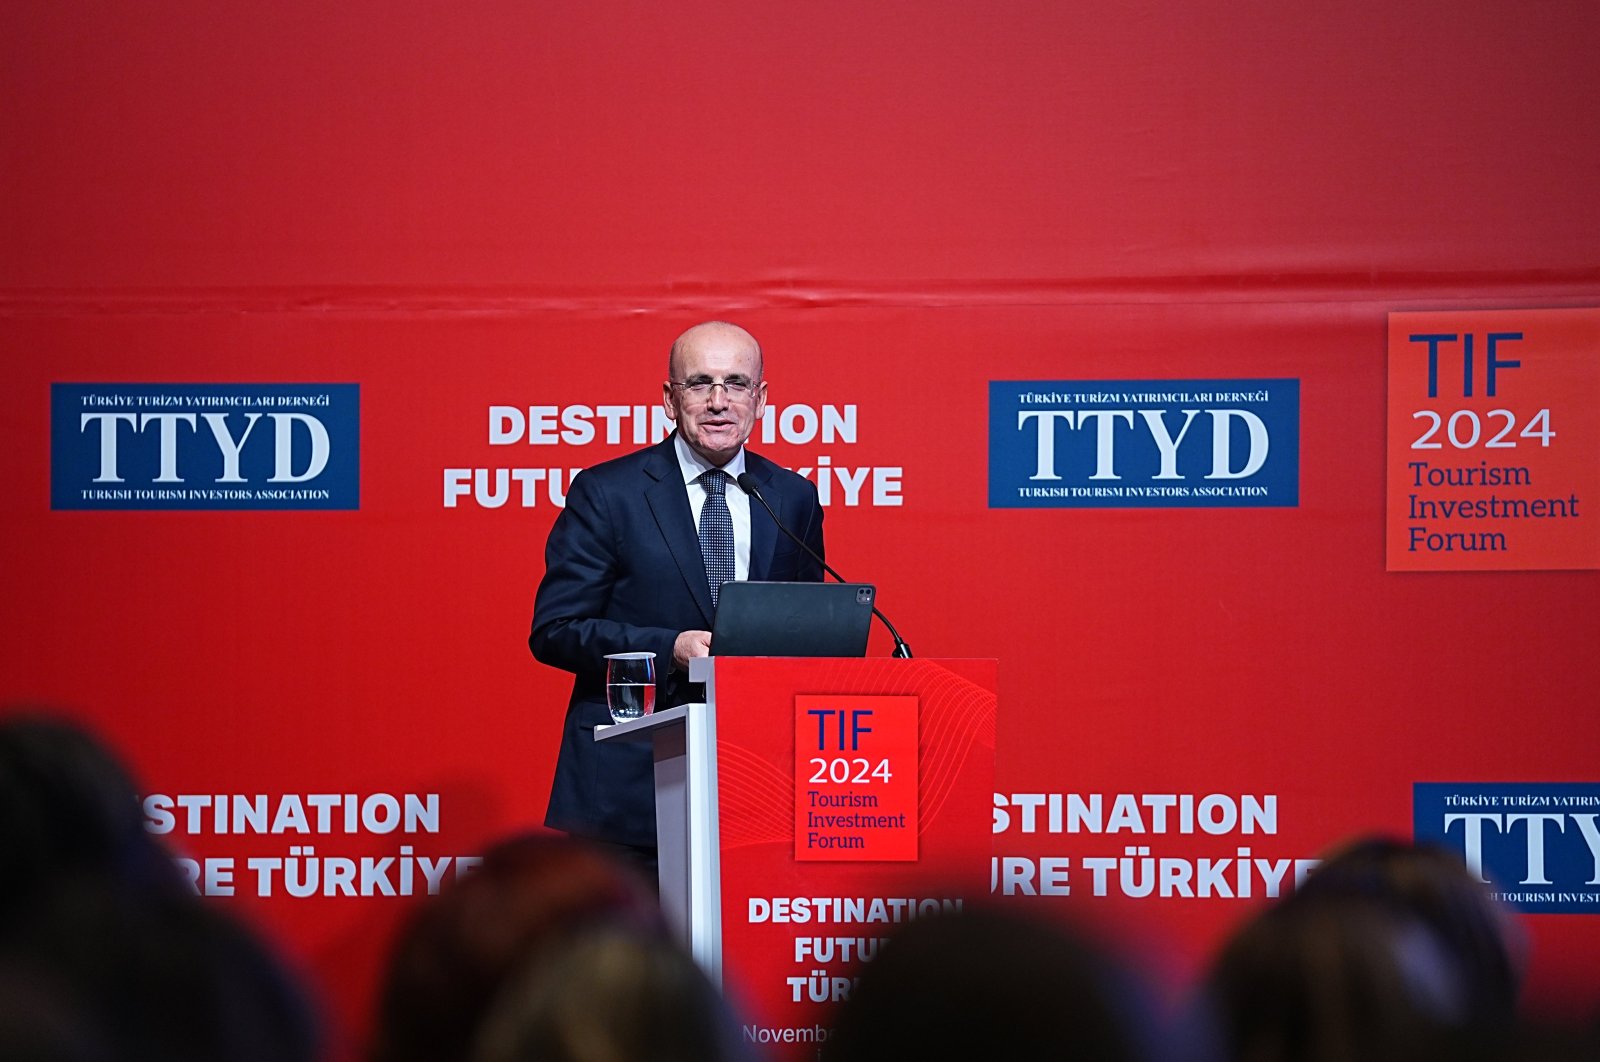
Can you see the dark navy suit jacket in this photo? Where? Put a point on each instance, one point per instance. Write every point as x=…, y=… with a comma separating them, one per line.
x=623, y=573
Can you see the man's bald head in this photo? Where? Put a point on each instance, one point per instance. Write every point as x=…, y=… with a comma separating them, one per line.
x=714, y=392
x=709, y=332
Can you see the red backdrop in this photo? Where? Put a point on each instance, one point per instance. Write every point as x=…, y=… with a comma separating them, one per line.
x=464, y=206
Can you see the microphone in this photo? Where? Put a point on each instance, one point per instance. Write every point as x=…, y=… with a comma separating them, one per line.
x=747, y=483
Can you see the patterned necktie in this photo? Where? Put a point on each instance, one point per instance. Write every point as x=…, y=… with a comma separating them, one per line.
x=716, y=532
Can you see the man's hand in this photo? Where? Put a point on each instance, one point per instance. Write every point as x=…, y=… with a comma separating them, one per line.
x=690, y=644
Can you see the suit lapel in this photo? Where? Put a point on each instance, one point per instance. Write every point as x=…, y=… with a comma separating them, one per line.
x=763, y=532
x=669, y=504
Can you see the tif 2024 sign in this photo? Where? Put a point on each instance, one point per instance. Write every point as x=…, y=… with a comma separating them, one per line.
x=1143, y=443
x=205, y=446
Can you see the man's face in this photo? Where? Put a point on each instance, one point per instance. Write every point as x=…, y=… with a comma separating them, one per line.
x=718, y=422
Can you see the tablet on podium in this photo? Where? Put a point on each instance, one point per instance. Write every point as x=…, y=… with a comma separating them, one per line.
x=792, y=619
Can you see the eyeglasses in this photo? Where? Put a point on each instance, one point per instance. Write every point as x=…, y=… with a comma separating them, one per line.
x=736, y=388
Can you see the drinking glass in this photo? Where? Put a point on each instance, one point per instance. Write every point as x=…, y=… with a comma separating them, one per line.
x=630, y=685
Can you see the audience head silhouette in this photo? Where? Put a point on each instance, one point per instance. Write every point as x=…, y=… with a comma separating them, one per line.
x=1434, y=886
x=1389, y=950
x=68, y=808
x=531, y=895
x=120, y=959
x=610, y=995
x=990, y=983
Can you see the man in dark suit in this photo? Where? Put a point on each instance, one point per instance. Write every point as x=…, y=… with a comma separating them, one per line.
x=626, y=569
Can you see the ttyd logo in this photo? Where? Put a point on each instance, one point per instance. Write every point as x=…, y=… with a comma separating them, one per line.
x=1122, y=444
x=205, y=446
x=1536, y=843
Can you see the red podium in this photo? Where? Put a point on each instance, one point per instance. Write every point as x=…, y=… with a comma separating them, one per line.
x=810, y=805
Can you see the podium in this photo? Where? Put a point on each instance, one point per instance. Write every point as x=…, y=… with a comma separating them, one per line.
x=862, y=786
x=683, y=741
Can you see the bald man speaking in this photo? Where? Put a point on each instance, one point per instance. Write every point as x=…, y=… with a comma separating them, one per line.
x=625, y=570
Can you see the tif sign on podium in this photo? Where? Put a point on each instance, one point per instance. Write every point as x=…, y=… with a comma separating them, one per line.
x=855, y=779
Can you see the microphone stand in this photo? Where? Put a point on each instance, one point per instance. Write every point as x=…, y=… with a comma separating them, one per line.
x=747, y=483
